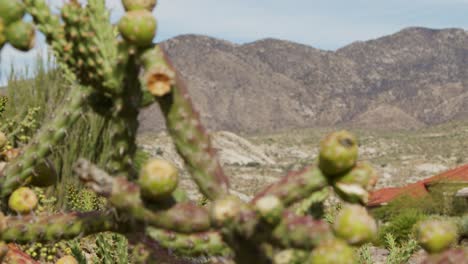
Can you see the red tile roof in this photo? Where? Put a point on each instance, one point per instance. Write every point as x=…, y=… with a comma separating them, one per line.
x=417, y=189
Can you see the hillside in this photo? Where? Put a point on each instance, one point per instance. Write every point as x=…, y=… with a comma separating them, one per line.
x=420, y=74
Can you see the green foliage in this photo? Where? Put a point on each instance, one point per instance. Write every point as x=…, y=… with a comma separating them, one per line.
x=77, y=253
x=401, y=226
x=364, y=255
x=427, y=205
x=119, y=244
x=399, y=253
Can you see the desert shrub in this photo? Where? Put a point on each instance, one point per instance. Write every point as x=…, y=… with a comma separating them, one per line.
x=363, y=254
x=399, y=253
x=401, y=226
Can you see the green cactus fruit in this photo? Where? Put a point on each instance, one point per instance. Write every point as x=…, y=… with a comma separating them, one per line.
x=354, y=185
x=67, y=260
x=11, y=11
x=21, y=35
x=270, y=208
x=3, y=140
x=158, y=179
x=131, y=5
x=355, y=225
x=332, y=252
x=338, y=153
x=138, y=27
x=44, y=175
x=23, y=200
x=225, y=210
x=436, y=235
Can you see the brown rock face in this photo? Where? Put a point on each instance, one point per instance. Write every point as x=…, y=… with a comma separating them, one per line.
x=417, y=75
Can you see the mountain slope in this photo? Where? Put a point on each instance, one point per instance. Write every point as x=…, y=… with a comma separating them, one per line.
x=420, y=74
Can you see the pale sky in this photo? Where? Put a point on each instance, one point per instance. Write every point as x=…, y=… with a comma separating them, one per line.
x=325, y=24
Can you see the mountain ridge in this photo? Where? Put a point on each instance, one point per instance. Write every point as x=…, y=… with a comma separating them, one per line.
x=270, y=84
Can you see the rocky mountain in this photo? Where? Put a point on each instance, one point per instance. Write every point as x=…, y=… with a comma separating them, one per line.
x=413, y=78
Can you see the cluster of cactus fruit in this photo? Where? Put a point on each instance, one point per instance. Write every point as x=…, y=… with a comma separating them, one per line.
x=3, y=103
x=19, y=129
x=116, y=76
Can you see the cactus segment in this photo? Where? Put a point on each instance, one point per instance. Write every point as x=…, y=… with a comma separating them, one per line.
x=158, y=179
x=48, y=24
x=131, y=5
x=46, y=228
x=21, y=35
x=338, y=153
x=158, y=76
x=295, y=186
x=19, y=170
x=332, y=252
x=435, y=235
x=198, y=244
x=23, y=200
x=301, y=232
x=16, y=256
x=192, y=142
x=138, y=27
x=11, y=11
x=355, y=225
x=125, y=196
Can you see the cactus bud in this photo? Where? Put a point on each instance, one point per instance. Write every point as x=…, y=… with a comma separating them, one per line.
x=158, y=76
x=3, y=140
x=11, y=11
x=67, y=260
x=270, y=208
x=131, y=5
x=362, y=174
x=23, y=200
x=158, y=179
x=138, y=27
x=436, y=235
x=21, y=35
x=225, y=210
x=44, y=175
x=354, y=185
x=355, y=225
x=338, y=153
x=332, y=252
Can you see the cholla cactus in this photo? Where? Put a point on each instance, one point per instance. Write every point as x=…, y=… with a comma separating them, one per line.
x=116, y=77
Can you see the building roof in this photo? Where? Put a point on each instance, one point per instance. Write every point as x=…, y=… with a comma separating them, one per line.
x=417, y=189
